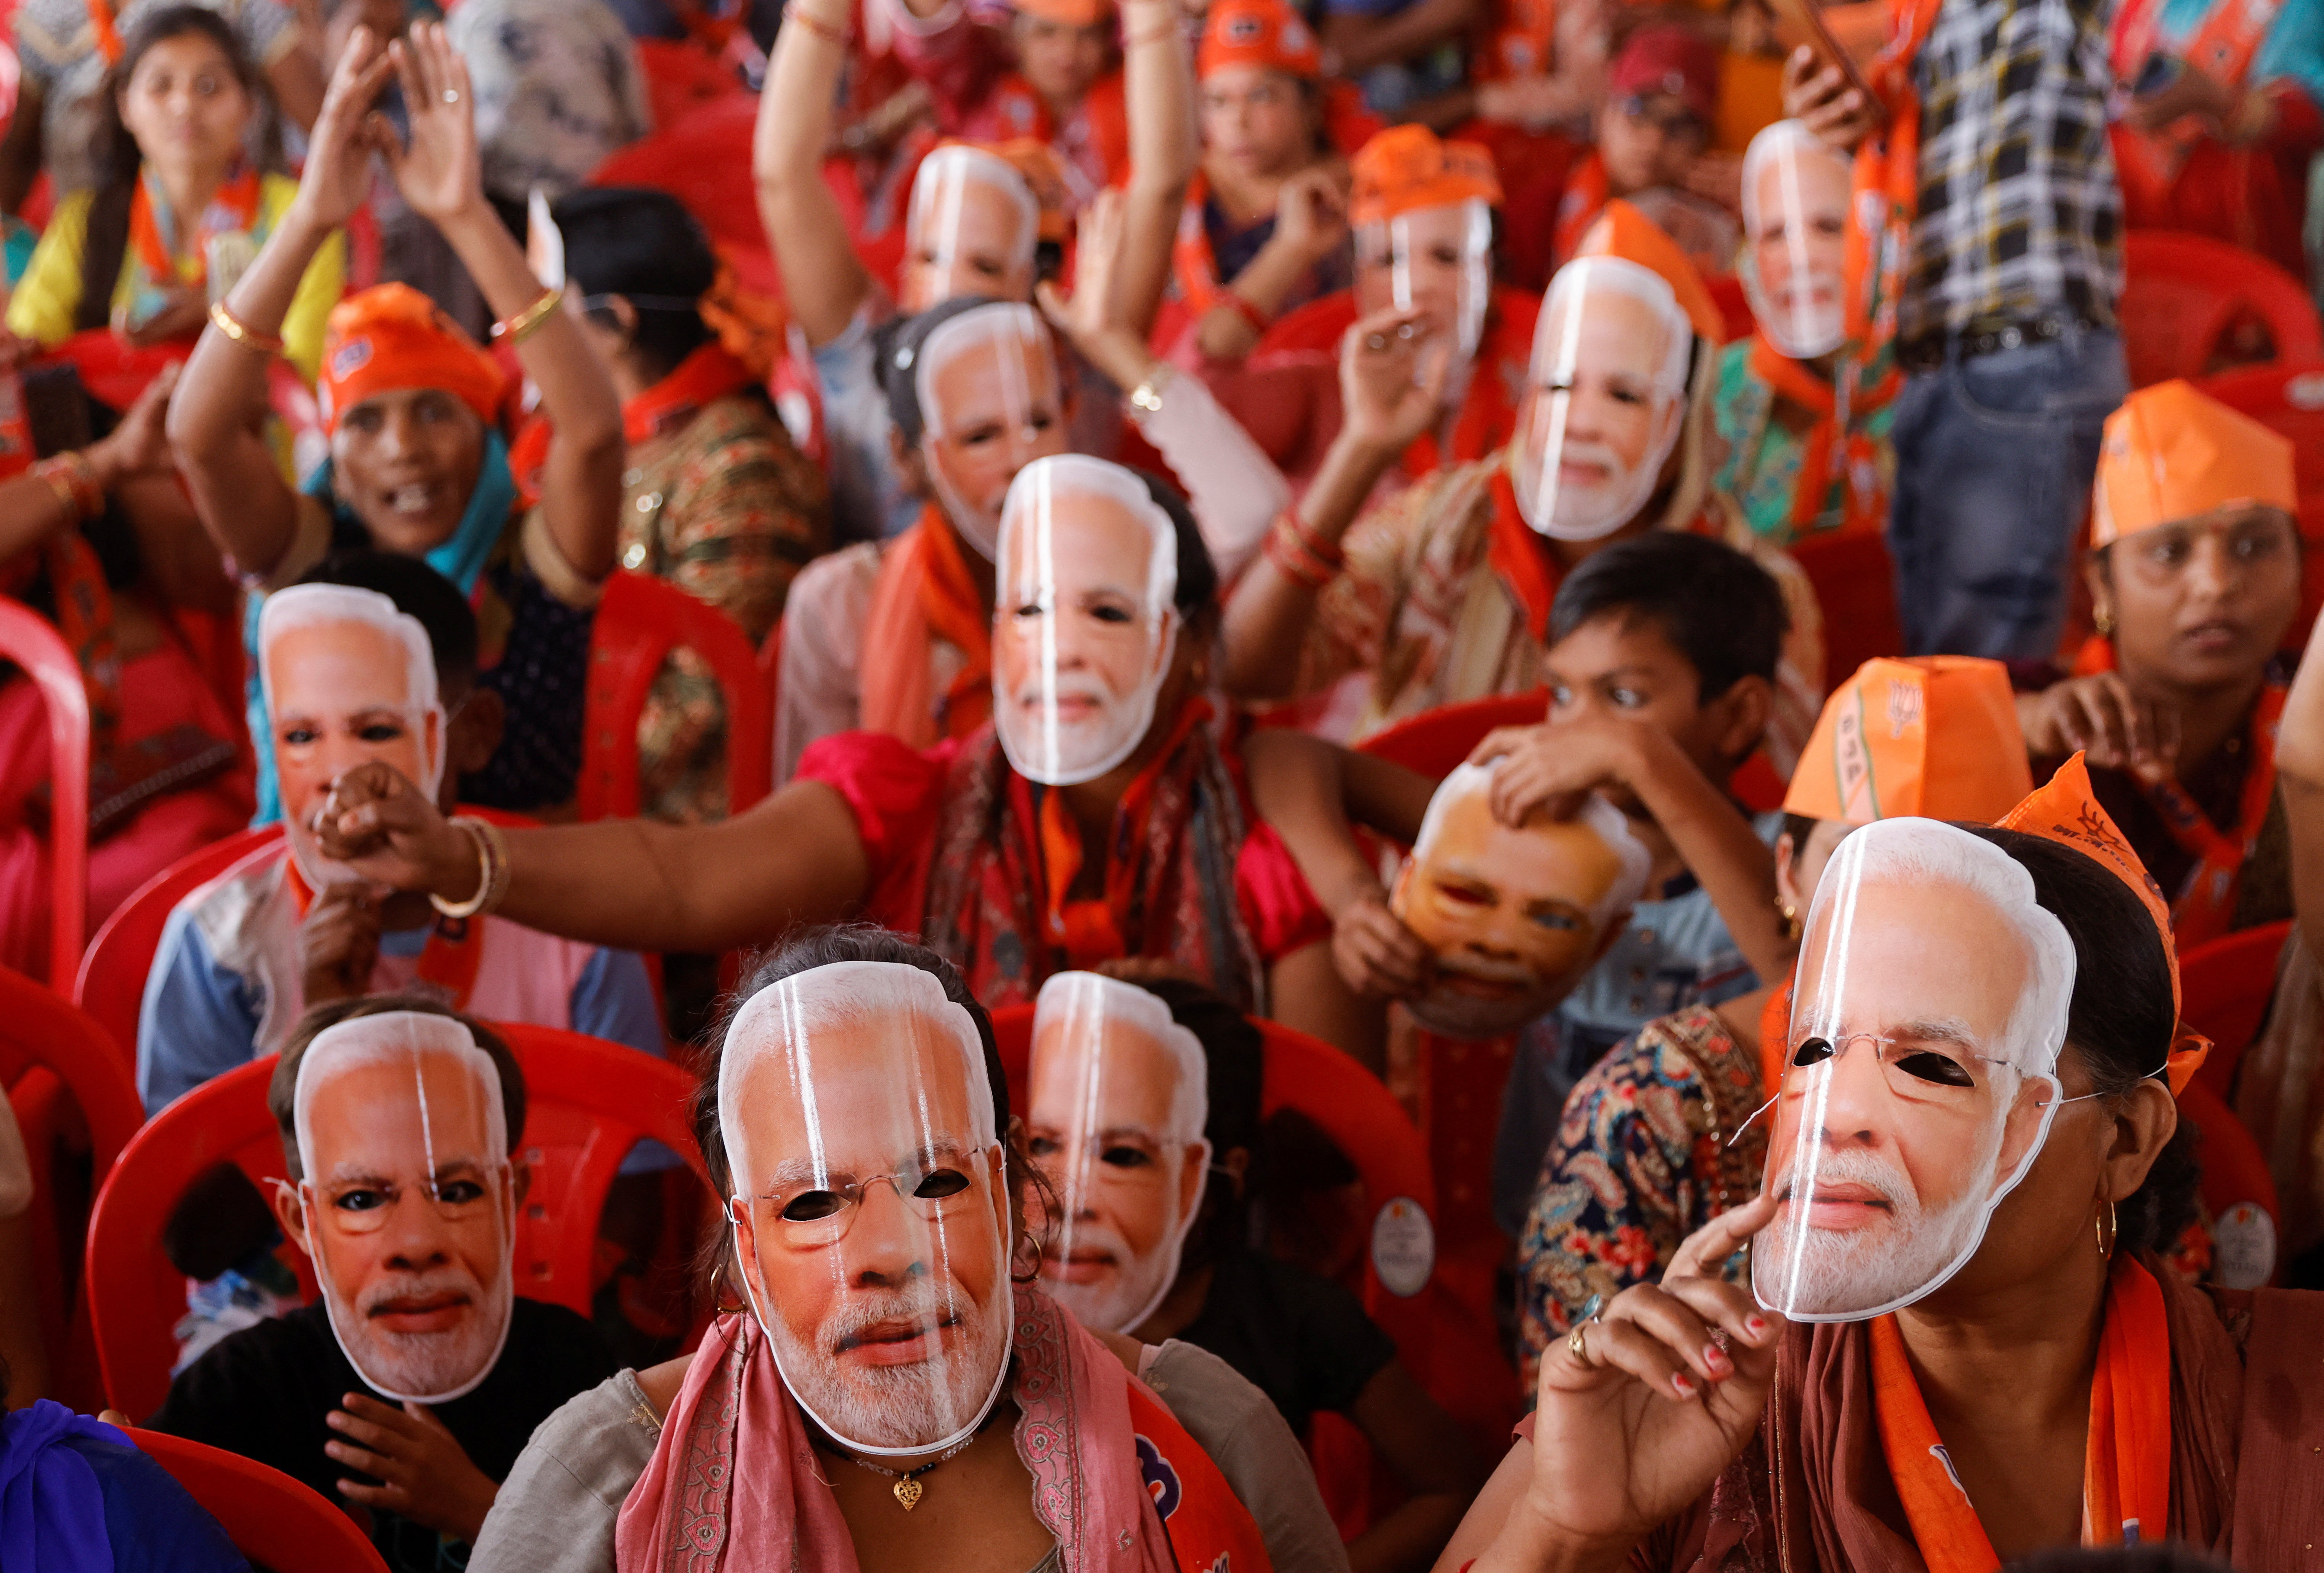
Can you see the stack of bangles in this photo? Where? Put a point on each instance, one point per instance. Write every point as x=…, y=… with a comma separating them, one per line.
x=242, y=333
x=492, y=870
x=74, y=481
x=526, y=322
x=1301, y=555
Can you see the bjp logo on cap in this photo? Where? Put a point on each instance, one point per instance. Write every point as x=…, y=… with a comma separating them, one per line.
x=349, y=358
x=1245, y=30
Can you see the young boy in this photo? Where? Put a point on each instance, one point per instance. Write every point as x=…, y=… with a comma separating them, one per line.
x=1661, y=672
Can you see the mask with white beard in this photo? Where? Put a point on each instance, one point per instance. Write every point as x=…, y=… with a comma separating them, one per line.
x=870, y=1214
x=431, y=1103
x=1119, y=1095
x=1018, y=344
x=1903, y=1074
x=1652, y=368
x=1806, y=317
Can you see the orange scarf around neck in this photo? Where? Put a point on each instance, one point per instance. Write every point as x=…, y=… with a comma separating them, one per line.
x=925, y=592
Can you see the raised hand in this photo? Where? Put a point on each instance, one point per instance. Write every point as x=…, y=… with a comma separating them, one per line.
x=2118, y=727
x=1388, y=392
x=1820, y=97
x=439, y=171
x=347, y=133
x=1311, y=215
x=139, y=446
x=381, y=824
x=1085, y=315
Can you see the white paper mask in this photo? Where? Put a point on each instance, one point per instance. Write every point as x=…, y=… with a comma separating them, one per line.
x=1921, y=1080
x=1795, y=194
x=404, y=1148
x=1412, y=243
x=1513, y=918
x=1082, y=626
x=991, y=401
x=1608, y=398
x=871, y=1204
x=1119, y=1095
x=334, y=661
x=971, y=230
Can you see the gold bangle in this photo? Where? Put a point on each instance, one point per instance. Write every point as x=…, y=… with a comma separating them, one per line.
x=241, y=333
x=526, y=322
x=492, y=870
x=1148, y=395
x=68, y=496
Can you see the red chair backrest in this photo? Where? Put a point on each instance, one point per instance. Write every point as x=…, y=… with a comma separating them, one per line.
x=587, y=1102
x=40, y=1031
x=113, y=972
x=2183, y=292
x=1433, y=742
x=2224, y=989
x=276, y=1521
x=2285, y=398
x=27, y=639
x=640, y=621
x=1856, y=587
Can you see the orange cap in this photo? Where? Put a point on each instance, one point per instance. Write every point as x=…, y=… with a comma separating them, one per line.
x=1044, y=174
x=1622, y=231
x=1267, y=33
x=390, y=336
x=1405, y=168
x=2173, y=452
x=1935, y=736
x=1072, y=13
x=2066, y=811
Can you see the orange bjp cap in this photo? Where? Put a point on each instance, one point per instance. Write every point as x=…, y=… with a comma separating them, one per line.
x=1934, y=736
x=2067, y=811
x=392, y=336
x=1267, y=33
x=1622, y=231
x=1406, y=168
x=2173, y=452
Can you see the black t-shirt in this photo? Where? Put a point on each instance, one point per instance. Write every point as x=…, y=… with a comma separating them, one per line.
x=1302, y=1340
x=262, y=1392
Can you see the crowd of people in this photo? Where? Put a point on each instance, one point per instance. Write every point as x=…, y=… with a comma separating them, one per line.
x=1286, y=545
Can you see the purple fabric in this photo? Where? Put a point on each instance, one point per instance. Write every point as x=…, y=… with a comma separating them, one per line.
x=51, y=1504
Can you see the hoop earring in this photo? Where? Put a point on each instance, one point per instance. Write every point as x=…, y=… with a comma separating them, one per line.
x=2107, y=1233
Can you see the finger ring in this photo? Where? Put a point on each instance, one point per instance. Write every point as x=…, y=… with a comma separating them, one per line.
x=1403, y=330
x=1376, y=341
x=1575, y=1346
x=451, y=95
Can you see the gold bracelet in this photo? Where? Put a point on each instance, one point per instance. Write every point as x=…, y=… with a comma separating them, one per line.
x=493, y=870
x=1148, y=395
x=68, y=497
x=248, y=337
x=526, y=322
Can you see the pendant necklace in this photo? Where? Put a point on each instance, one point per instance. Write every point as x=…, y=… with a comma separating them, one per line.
x=907, y=1488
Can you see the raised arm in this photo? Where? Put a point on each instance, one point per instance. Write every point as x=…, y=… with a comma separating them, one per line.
x=1158, y=85
x=216, y=416
x=824, y=283
x=441, y=177
x=794, y=858
x=2300, y=773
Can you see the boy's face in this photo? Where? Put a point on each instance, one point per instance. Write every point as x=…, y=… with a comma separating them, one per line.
x=1622, y=667
x=1062, y=61
x=1647, y=138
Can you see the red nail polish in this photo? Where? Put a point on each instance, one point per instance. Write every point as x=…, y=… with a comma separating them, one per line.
x=1757, y=1325
x=1713, y=1356
x=1682, y=1384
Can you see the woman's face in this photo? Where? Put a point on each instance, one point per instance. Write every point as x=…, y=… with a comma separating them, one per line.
x=1256, y=120
x=2202, y=602
x=407, y=461
x=185, y=106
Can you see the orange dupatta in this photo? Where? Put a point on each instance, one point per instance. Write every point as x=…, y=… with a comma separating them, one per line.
x=1586, y=190
x=2125, y=1470
x=1090, y=931
x=235, y=205
x=1885, y=190
x=710, y=373
x=925, y=594
x=1862, y=508
x=1520, y=558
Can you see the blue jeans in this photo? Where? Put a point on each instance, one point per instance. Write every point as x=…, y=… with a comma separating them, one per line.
x=1994, y=460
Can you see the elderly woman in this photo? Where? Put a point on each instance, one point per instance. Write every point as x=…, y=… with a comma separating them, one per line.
x=417, y=462
x=1976, y=1153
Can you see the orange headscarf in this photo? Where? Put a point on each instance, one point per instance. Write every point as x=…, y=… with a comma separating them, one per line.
x=1622, y=231
x=392, y=337
x=1933, y=735
x=1405, y=168
x=2173, y=452
x=1267, y=33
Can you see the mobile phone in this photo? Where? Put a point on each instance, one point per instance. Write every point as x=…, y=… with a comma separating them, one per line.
x=1807, y=24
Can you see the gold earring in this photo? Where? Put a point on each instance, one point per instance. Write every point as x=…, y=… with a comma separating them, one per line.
x=2103, y=620
x=1791, y=916
x=2106, y=1231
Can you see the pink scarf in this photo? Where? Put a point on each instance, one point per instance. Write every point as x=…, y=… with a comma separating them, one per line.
x=693, y=1511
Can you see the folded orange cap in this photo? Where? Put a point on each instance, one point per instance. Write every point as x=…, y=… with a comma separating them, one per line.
x=1405, y=168
x=1935, y=736
x=392, y=336
x=1071, y=12
x=1266, y=33
x=1622, y=231
x=2173, y=452
x=2066, y=811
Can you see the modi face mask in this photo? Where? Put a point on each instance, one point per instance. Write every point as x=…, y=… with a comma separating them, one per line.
x=1796, y=227
x=971, y=230
x=403, y=1146
x=346, y=678
x=991, y=401
x=1119, y=1097
x=1082, y=625
x=1608, y=398
x=1437, y=261
x=871, y=1205
x=1513, y=918
x=1920, y=1078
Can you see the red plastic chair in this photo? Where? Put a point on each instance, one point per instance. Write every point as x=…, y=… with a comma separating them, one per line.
x=640, y=621
x=1734, y=306
x=2183, y=293
x=113, y=970
x=276, y=1521
x=2288, y=399
x=1856, y=586
x=2238, y=1191
x=73, y=1096
x=587, y=1102
x=27, y=639
x=2224, y=989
